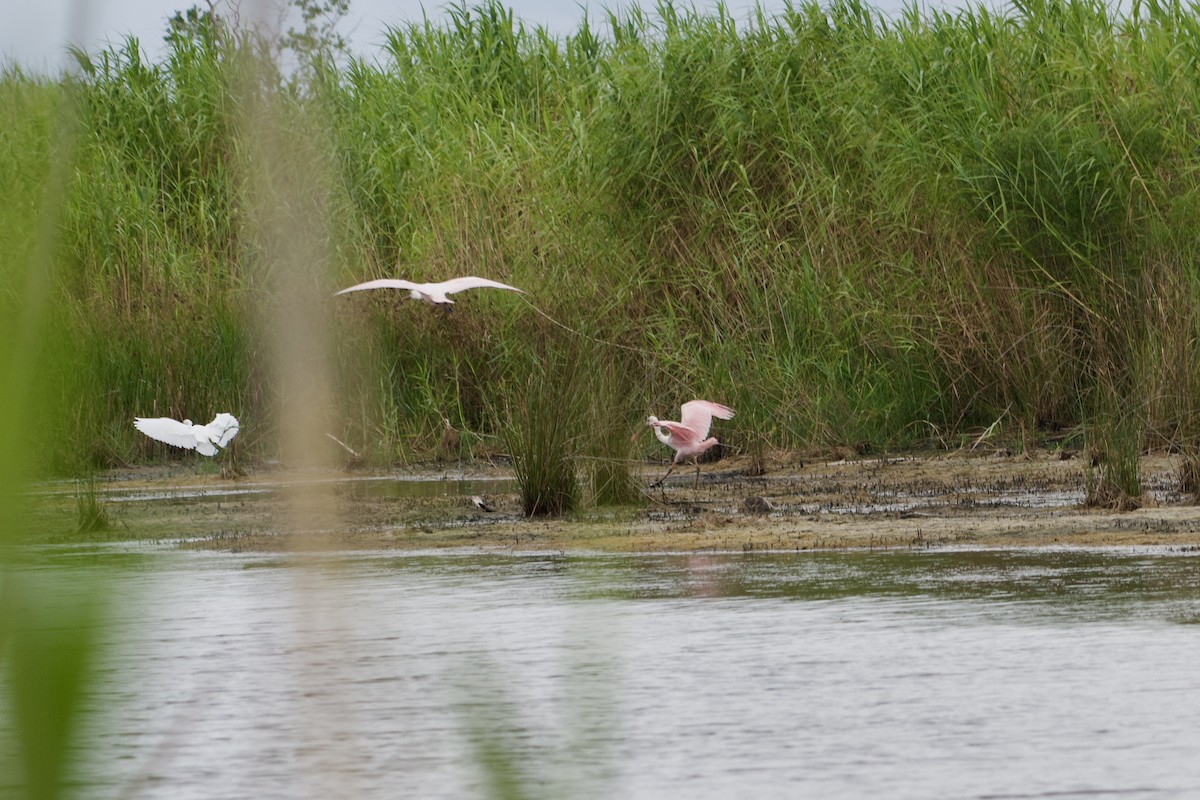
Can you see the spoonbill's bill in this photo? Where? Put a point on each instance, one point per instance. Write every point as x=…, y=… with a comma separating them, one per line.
x=433, y=293
x=204, y=438
x=687, y=437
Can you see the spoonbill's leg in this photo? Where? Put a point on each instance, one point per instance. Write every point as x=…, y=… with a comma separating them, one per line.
x=664, y=477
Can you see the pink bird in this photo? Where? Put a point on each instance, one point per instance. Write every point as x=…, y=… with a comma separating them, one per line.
x=687, y=436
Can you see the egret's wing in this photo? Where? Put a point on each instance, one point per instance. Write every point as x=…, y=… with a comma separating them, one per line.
x=222, y=429
x=471, y=282
x=165, y=429
x=381, y=283
x=698, y=414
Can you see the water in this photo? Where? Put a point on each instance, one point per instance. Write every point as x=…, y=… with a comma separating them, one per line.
x=965, y=674
x=384, y=486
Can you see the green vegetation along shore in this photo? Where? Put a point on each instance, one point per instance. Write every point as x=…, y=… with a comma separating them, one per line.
x=854, y=230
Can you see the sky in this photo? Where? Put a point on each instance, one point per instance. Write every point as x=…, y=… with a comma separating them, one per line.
x=34, y=34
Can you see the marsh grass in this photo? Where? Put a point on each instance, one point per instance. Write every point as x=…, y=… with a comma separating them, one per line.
x=541, y=430
x=91, y=514
x=1189, y=472
x=853, y=229
x=1112, y=480
x=607, y=418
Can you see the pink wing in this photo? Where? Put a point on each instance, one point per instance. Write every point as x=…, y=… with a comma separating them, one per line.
x=682, y=436
x=381, y=283
x=471, y=282
x=698, y=414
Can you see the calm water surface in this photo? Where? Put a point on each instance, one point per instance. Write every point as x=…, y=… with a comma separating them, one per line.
x=961, y=674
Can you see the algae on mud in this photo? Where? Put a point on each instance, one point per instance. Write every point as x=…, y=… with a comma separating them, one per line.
x=925, y=499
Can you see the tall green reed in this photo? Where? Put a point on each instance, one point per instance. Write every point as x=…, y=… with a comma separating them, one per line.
x=540, y=428
x=48, y=620
x=852, y=228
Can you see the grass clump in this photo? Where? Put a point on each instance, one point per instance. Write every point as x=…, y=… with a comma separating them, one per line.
x=91, y=514
x=1189, y=472
x=541, y=432
x=1112, y=479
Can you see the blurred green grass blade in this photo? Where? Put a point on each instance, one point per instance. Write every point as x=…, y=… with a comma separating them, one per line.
x=50, y=636
x=46, y=628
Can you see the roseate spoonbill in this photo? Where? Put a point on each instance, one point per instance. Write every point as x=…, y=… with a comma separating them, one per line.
x=687, y=436
x=433, y=293
x=204, y=438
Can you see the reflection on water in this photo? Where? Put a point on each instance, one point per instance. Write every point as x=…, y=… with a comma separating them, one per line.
x=891, y=675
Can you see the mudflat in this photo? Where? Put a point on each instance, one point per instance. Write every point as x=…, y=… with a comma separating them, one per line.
x=922, y=499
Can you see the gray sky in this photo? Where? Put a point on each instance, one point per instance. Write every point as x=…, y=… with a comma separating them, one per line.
x=34, y=32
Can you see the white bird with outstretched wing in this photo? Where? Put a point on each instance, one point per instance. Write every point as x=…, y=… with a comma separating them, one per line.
x=435, y=293
x=205, y=439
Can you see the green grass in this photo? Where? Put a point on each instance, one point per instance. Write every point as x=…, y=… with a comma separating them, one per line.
x=91, y=513
x=48, y=622
x=541, y=431
x=854, y=230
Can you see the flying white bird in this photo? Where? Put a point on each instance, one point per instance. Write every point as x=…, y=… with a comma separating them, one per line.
x=687, y=437
x=204, y=438
x=433, y=293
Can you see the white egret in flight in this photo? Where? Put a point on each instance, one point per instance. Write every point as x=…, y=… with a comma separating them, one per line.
x=204, y=438
x=433, y=293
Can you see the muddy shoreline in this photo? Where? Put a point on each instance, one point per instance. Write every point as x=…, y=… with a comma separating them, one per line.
x=906, y=500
